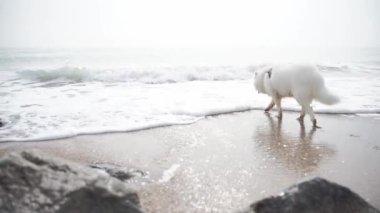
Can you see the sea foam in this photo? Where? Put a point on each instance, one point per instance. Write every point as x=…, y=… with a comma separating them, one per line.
x=50, y=102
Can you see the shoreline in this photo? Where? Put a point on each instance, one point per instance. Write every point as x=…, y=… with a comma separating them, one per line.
x=365, y=113
x=226, y=162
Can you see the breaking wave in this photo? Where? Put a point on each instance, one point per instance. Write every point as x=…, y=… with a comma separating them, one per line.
x=169, y=74
x=164, y=74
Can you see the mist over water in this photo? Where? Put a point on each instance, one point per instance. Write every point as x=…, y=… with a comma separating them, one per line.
x=55, y=93
x=27, y=58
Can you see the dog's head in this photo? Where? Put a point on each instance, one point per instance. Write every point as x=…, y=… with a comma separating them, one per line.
x=260, y=76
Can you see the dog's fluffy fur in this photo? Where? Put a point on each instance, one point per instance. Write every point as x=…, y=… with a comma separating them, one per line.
x=303, y=82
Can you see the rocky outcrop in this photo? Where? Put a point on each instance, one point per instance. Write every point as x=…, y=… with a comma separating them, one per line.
x=314, y=196
x=31, y=181
x=118, y=172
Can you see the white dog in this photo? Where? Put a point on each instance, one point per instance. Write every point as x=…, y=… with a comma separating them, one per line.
x=303, y=82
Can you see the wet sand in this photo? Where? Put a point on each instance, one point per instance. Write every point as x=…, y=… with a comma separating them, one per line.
x=224, y=163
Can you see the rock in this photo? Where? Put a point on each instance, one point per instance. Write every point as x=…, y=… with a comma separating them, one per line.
x=315, y=195
x=31, y=181
x=117, y=171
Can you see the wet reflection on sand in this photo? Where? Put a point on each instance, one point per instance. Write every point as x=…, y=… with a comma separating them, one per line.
x=233, y=164
x=297, y=153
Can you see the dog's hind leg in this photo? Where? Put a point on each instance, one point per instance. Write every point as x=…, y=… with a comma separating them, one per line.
x=302, y=115
x=310, y=111
x=277, y=101
x=303, y=97
x=270, y=106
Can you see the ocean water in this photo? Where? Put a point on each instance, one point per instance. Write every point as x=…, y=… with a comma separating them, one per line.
x=57, y=93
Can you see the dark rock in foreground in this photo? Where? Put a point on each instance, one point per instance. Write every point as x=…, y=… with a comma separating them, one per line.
x=316, y=195
x=31, y=181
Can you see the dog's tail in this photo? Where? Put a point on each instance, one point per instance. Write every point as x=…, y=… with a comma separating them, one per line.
x=326, y=97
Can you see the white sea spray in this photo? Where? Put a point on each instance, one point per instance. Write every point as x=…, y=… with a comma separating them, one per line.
x=42, y=100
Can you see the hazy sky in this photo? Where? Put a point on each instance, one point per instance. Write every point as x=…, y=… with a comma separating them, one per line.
x=190, y=23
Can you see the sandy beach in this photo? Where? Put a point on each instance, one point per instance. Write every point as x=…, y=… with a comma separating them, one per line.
x=224, y=163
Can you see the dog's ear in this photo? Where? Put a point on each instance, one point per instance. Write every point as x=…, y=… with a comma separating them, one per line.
x=269, y=72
